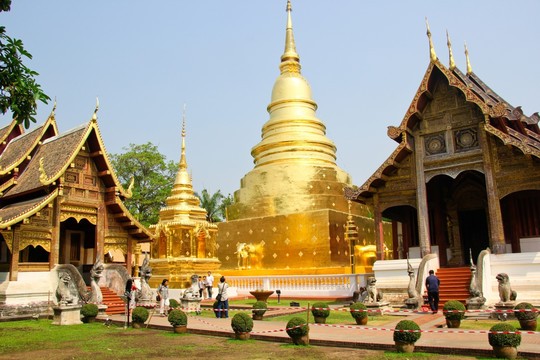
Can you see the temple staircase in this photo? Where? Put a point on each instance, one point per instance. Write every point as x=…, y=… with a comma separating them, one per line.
x=454, y=284
x=115, y=305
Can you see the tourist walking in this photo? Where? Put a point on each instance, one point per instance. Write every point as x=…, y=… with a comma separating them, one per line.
x=205, y=285
x=201, y=287
x=209, y=284
x=163, y=291
x=432, y=285
x=223, y=298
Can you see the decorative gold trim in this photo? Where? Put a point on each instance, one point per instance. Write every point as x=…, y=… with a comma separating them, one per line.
x=121, y=247
x=129, y=192
x=43, y=179
x=8, y=238
x=4, y=223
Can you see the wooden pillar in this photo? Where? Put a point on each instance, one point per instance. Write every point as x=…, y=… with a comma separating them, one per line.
x=100, y=232
x=421, y=198
x=54, y=256
x=14, y=266
x=379, y=235
x=129, y=255
x=496, y=239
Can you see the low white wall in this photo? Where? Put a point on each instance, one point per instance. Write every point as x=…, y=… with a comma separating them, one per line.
x=392, y=274
x=523, y=270
x=30, y=287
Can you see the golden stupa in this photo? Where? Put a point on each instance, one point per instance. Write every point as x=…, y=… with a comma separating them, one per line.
x=290, y=213
x=185, y=241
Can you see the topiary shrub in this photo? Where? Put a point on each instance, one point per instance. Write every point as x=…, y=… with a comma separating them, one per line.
x=242, y=323
x=525, y=315
x=139, y=314
x=177, y=318
x=454, y=305
x=297, y=332
x=405, y=336
x=359, y=314
x=173, y=304
x=89, y=310
x=325, y=312
x=495, y=339
x=260, y=305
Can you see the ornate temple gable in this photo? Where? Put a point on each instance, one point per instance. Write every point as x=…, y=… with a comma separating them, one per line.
x=15, y=213
x=81, y=180
x=9, y=132
x=20, y=150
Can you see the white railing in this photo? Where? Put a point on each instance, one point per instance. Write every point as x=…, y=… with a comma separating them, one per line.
x=339, y=285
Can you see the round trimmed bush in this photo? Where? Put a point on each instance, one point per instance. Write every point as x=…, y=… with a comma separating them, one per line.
x=325, y=312
x=512, y=340
x=173, y=304
x=301, y=331
x=359, y=314
x=242, y=323
x=260, y=305
x=405, y=336
x=454, y=305
x=89, y=310
x=177, y=318
x=525, y=315
x=139, y=314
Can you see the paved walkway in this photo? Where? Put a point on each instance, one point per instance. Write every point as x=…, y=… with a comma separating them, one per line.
x=357, y=336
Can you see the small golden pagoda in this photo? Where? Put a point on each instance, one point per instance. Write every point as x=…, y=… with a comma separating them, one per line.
x=289, y=214
x=184, y=240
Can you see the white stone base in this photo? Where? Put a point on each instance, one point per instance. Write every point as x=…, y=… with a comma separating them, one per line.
x=67, y=315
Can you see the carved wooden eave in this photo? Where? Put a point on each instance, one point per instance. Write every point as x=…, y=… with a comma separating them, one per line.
x=128, y=221
x=20, y=149
x=24, y=210
x=379, y=177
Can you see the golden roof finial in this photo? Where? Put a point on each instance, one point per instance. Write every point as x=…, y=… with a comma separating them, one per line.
x=469, y=68
x=452, y=63
x=94, y=117
x=290, y=53
x=130, y=187
x=432, y=54
x=183, y=163
x=51, y=116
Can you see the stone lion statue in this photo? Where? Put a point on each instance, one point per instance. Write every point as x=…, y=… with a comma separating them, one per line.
x=372, y=294
x=506, y=293
x=63, y=292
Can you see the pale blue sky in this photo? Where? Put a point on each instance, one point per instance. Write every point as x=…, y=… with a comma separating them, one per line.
x=364, y=62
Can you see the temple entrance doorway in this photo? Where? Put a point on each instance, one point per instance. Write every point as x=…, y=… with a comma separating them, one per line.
x=458, y=216
x=473, y=232
x=78, y=245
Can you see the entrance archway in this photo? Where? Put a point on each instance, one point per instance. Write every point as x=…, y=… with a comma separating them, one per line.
x=78, y=245
x=404, y=230
x=458, y=216
x=521, y=220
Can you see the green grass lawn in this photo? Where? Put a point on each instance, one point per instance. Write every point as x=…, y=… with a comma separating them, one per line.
x=30, y=340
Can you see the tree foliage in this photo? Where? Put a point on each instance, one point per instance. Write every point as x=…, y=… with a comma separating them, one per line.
x=153, y=179
x=19, y=91
x=214, y=204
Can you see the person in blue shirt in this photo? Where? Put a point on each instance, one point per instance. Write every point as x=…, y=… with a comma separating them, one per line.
x=432, y=285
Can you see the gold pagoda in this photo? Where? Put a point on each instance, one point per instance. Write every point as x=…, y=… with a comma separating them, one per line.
x=184, y=240
x=289, y=214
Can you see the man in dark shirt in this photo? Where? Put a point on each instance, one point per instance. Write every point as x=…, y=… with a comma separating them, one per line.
x=432, y=285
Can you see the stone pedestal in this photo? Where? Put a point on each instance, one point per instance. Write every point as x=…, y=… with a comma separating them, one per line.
x=375, y=308
x=414, y=303
x=475, y=303
x=507, y=307
x=191, y=305
x=67, y=315
x=101, y=312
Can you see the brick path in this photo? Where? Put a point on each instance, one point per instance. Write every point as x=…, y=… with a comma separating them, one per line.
x=357, y=336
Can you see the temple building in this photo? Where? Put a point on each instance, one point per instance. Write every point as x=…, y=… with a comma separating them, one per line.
x=465, y=175
x=60, y=203
x=185, y=241
x=289, y=214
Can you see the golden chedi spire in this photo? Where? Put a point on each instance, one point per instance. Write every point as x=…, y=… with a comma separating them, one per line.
x=432, y=54
x=469, y=68
x=293, y=148
x=182, y=204
x=451, y=62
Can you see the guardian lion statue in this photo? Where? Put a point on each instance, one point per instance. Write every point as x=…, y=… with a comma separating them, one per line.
x=505, y=290
x=372, y=294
